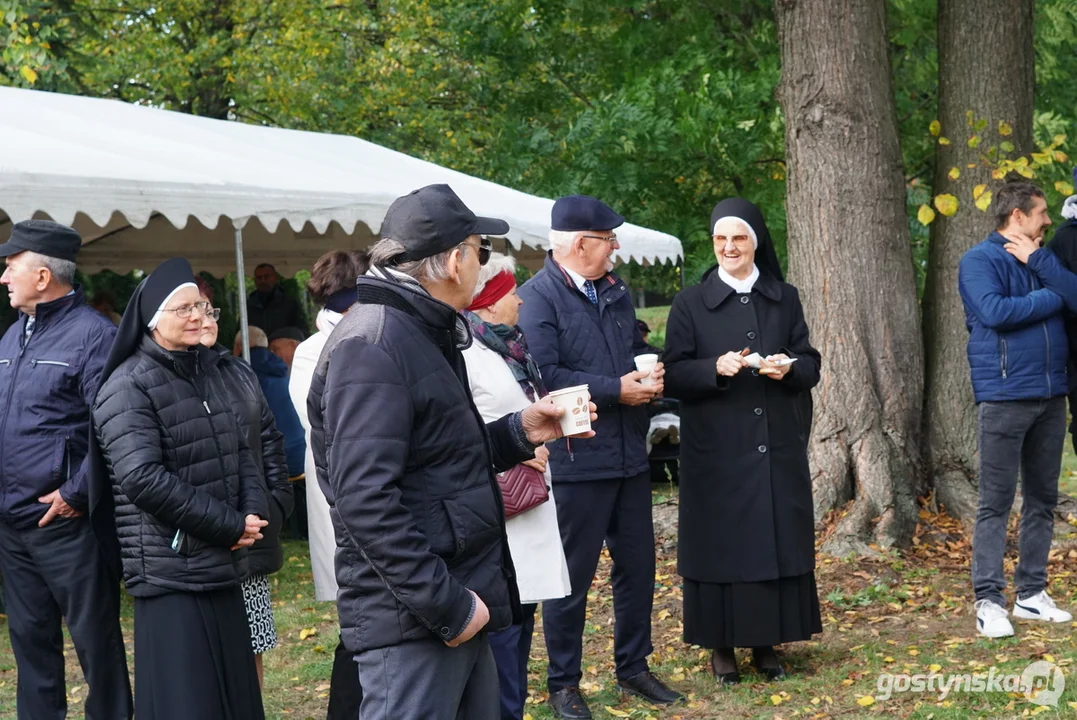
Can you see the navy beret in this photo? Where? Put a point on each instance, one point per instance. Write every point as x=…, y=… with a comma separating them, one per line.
x=583, y=212
x=43, y=237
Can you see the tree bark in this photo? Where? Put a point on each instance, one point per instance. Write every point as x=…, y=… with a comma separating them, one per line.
x=850, y=255
x=986, y=67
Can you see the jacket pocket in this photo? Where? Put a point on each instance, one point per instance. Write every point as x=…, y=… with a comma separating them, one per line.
x=457, y=529
x=1003, y=360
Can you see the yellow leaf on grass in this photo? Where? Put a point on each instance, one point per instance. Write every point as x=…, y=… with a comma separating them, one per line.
x=527, y=716
x=1004, y=128
x=663, y=614
x=946, y=204
x=925, y=215
x=1064, y=188
x=617, y=713
x=954, y=173
x=776, y=700
x=934, y=667
x=866, y=701
x=307, y=632
x=1048, y=657
x=914, y=652
x=847, y=682
x=935, y=128
x=28, y=74
x=978, y=191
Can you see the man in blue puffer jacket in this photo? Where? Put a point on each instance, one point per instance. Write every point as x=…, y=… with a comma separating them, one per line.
x=54, y=565
x=1014, y=294
x=579, y=322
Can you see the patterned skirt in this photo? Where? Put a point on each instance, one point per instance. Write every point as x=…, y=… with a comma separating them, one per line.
x=259, y=613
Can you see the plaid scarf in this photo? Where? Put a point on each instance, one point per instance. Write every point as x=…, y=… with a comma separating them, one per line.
x=509, y=343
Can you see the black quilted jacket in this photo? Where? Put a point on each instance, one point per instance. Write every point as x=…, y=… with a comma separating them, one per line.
x=183, y=477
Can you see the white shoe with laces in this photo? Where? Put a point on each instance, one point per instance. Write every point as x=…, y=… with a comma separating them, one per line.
x=992, y=620
x=1040, y=607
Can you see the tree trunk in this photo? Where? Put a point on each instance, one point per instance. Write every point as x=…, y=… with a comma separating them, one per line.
x=850, y=255
x=986, y=67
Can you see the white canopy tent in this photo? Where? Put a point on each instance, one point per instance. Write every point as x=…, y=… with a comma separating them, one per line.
x=142, y=184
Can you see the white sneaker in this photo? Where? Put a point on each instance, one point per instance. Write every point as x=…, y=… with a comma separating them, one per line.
x=992, y=620
x=1040, y=607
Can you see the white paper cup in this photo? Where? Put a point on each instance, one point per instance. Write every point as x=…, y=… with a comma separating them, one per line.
x=576, y=402
x=646, y=363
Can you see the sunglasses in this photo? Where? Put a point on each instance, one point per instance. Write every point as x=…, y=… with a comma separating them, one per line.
x=484, y=249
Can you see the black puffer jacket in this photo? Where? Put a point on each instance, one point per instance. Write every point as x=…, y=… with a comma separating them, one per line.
x=406, y=464
x=267, y=447
x=181, y=471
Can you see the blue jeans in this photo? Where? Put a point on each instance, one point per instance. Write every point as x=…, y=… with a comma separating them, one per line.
x=1026, y=437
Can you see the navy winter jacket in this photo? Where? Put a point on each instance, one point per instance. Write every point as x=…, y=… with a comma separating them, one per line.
x=1017, y=337
x=576, y=342
x=273, y=377
x=47, y=388
x=407, y=465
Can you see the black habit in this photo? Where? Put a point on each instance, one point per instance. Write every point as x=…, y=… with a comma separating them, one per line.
x=746, y=531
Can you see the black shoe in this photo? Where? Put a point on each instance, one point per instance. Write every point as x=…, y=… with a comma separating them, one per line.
x=729, y=678
x=568, y=704
x=771, y=672
x=650, y=688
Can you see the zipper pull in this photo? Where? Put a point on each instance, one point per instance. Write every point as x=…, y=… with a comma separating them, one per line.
x=205, y=404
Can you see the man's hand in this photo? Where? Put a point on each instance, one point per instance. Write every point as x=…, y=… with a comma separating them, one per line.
x=542, y=421
x=58, y=507
x=479, y=618
x=252, y=531
x=1021, y=247
x=635, y=393
x=731, y=363
x=775, y=372
x=542, y=456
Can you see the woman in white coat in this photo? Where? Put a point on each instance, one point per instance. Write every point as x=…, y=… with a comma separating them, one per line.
x=331, y=286
x=504, y=379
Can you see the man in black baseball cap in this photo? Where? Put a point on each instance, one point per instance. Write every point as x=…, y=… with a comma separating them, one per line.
x=407, y=466
x=54, y=566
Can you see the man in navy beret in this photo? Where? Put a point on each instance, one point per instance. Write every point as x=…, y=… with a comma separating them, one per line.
x=580, y=325
x=54, y=566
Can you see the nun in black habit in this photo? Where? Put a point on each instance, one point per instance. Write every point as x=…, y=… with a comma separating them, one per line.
x=746, y=545
x=187, y=500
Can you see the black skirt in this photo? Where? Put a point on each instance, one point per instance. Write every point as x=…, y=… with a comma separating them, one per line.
x=756, y=614
x=193, y=658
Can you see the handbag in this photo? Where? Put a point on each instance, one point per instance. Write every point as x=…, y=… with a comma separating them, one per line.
x=522, y=488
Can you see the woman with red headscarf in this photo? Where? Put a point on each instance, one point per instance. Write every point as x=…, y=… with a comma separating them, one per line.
x=504, y=378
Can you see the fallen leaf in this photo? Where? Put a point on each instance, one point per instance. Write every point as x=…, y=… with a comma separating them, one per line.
x=866, y=701
x=307, y=632
x=617, y=713
x=925, y=215
x=776, y=700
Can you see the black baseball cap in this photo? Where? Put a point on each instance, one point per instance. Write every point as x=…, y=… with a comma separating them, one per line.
x=434, y=219
x=44, y=237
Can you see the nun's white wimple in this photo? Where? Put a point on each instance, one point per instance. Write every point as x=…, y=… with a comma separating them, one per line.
x=751, y=231
x=152, y=325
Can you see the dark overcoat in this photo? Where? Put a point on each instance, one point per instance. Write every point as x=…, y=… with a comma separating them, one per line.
x=745, y=491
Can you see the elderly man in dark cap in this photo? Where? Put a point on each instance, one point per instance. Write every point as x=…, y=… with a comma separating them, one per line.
x=581, y=327
x=407, y=465
x=53, y=565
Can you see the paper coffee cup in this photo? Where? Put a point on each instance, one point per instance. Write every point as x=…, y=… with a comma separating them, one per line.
x=646, y=363
x=576, y=403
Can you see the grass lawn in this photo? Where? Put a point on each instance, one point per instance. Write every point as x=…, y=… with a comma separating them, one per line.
x=907, y=612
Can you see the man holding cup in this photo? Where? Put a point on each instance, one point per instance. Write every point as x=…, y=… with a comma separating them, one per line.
x=581, y=327
x=407, y=466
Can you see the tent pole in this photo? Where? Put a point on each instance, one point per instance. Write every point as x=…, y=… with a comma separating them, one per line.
x=241, y=278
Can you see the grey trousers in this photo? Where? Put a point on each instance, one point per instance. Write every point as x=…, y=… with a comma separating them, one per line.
x=1026, y=437
x=428, y=680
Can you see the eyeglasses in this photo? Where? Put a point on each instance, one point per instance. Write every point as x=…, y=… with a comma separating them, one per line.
x=737, y=239
x=214, y=314
x=185, y=311
x=611, y=239
x=484, y=249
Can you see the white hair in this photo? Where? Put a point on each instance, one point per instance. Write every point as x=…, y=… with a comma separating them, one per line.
x=497, y=264
x=431, y=269
x=62, y=271
x=257, y=337
x=561, y=240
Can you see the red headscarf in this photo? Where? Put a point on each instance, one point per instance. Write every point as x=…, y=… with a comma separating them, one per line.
x=496, y=288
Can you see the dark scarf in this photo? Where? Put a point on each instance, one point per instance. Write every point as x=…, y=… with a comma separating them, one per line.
x=509, y=343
